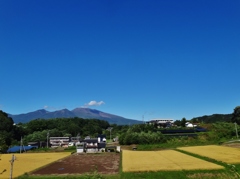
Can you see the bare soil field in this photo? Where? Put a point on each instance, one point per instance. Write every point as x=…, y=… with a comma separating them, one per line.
x=105, y=163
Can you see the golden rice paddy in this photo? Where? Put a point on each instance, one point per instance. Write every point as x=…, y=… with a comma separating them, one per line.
x=220, y=153
x=167, y=160
x=27, y=162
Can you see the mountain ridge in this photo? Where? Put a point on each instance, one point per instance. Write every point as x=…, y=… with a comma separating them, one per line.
x=213, y=118
x=86, y=113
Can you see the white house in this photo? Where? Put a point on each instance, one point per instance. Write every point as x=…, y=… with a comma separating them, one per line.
x=188, y=124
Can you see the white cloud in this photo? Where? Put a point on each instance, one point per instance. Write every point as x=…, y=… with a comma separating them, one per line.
x=94, y=103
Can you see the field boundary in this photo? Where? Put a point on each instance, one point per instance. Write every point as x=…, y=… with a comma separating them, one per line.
x=227, y=166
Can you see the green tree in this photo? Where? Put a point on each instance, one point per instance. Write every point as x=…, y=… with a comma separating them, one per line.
x=133, y=136
x=6, y=131
x=73, y=129
x=194, y=120
x=223, y=130
x=6, y=122
x=37, y=125
x=3, y=145
x=36, y=136
x=177, y=123
x=183, y=122
x=236, y=115
x=55, y=133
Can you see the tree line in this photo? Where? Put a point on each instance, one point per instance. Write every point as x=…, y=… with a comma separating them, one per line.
x=218, y=131
x=37, y=130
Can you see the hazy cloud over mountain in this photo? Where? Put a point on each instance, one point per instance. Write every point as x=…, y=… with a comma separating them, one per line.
x=53, y=108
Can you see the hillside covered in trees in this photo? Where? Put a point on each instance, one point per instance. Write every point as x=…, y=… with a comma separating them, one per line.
x=36, y=130
x=213, y=118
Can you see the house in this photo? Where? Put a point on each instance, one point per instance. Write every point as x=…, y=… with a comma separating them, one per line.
x=188, y=124
x=161, y=122
x=59, y=141
x=101, y=137
x=92, y=145
x=76, y=139
x=80, y=147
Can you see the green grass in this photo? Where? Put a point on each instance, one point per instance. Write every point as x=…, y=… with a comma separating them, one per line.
x=182, y=175
x=215, y=174
x=197, y=174
x=175, y=142
x=153, y=175
x=169, y=145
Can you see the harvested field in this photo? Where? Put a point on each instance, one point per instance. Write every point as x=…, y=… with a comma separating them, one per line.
x=104, y=163
x=27, y=162
x=167, y=160
x=221, y=153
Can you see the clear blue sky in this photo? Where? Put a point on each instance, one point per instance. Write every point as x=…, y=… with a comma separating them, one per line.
x=161, y=59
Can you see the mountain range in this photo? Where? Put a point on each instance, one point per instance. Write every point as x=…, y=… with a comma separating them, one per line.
x=85, y=113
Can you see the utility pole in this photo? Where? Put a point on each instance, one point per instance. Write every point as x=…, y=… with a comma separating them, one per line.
x=11, y=170
x=110, y=129
x=236, y=129
x=22, y=146
x=47, y=138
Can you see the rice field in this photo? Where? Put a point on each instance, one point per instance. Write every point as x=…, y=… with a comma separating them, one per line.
x=167, y=160
x=221, y=153
x=27, y=162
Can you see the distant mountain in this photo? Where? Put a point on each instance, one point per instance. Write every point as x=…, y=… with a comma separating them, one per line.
x=85, y=113
x=214, y=118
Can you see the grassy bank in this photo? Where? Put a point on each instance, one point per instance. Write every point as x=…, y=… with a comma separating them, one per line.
x=174, y=143
x=215, y=174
